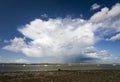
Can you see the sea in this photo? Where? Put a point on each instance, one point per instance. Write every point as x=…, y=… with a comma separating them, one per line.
x=45, y=67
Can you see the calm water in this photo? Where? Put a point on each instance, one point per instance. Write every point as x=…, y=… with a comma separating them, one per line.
x=5, y=68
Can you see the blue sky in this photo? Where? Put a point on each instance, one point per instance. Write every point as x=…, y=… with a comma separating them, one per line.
x=59, y=31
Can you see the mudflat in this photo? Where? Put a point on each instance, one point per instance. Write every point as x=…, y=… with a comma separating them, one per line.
x=61, y=76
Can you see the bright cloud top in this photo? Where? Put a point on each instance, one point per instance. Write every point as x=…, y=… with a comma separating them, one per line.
x=67, y=39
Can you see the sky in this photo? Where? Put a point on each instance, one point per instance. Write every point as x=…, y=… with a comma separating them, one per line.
x=59, y=31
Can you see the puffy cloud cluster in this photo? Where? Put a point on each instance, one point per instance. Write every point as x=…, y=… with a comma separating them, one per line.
x=108, y=20
x=67, y=39
x=106, y=14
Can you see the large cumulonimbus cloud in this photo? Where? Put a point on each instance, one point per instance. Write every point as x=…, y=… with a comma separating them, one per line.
x=67, y=39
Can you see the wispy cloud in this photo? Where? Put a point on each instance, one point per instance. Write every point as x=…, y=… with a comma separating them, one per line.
x=19, y=60
x=114, y=38
x=44, y=15
x=6, y=41
x=95, y=6
x=67, y=39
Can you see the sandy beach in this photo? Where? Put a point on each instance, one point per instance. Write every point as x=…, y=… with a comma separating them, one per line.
x=61, y=76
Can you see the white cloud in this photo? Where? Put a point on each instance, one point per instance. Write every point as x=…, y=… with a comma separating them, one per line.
x=114, y=38
x=44, y=15
x=107, y=20
x=57, y=38
x=54, y=38
x=105, y=14
x=19, y=60
x=100, y=16
x=6, y=41
x=81, y=15
x=16, y=44
x=95, y=6
x=67, y=39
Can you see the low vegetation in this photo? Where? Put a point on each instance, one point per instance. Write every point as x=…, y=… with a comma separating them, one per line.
x=62, y=76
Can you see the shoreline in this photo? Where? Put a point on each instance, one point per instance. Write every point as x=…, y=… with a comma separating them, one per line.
x=61, y=76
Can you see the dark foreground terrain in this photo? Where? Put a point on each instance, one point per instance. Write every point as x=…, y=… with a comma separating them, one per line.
x=62, y=76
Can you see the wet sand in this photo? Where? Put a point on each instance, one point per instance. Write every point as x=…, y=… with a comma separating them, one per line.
x=62, y=76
